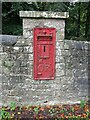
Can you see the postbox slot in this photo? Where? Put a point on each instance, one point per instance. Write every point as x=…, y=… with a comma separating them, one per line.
x=44, y=37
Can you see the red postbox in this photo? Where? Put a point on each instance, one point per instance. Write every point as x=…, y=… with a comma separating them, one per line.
x=44, y=53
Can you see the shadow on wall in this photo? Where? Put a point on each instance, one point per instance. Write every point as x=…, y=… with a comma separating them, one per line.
x=76, y=63
x=8, y=40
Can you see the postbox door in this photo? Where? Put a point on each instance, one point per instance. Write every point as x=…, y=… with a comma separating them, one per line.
x=44, y=53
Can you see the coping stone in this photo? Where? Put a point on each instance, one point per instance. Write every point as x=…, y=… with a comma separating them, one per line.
x=43, y=14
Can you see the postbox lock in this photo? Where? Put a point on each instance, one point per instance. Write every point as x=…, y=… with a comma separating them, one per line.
x=44, y=53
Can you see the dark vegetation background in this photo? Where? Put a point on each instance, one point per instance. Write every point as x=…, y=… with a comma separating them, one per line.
x=77, y=25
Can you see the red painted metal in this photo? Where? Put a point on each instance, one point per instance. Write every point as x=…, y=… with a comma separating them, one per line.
x=44, y=53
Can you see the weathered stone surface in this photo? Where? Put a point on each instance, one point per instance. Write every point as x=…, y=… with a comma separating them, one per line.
x=29, y=24
x=44, y=14
x=71, y=78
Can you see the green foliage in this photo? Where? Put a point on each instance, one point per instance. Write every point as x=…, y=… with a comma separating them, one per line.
x=61, y=113
x=82, y=103
x=72, y=109
x=36, y=109
x=4, y=114
x=11, y=22
x=77, y=25
x=88, y=113
x=12, y=105
x=52, y=110
x=12, y=29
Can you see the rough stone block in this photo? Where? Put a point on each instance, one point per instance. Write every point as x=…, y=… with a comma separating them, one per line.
x=60, y=72
x=1, y=48
x=60, y=45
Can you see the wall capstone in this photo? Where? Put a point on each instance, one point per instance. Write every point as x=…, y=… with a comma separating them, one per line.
x=44, y=14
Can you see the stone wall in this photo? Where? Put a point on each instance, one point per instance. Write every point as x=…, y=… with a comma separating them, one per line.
x=16, y=74
x=71, y=63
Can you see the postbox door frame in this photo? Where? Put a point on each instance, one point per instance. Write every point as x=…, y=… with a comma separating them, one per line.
x=51, y=43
